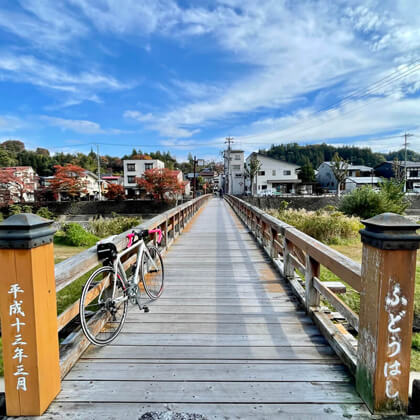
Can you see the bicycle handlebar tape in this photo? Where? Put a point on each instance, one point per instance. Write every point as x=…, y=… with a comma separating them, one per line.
x=159, y=231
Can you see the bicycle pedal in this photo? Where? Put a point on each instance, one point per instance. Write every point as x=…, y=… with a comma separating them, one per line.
x=146, y=309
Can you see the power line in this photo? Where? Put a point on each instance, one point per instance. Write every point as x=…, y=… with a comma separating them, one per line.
x=380, y=84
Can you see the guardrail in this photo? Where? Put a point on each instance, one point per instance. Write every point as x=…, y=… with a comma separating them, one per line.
x=377, y=351
x=34, y=359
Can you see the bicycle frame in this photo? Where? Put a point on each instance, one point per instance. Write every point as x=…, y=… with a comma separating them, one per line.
x=119, y=268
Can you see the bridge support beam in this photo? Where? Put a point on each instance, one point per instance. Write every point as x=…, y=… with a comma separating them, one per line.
x=390, y=244
x=28, y=311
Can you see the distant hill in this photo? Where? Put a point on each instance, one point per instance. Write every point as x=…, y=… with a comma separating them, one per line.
x=318, y=153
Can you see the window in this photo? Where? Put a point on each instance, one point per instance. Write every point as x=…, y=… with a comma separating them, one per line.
x=131, y=167
x=236, y=167
x=414, y=173
x=237, y=157
x=273, y=172
x=261, y=173
x=287, y=172
x=264, y=187
x=148, y=166
x=131, y=179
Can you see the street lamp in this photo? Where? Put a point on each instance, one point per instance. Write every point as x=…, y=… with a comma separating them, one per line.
x=196, y=162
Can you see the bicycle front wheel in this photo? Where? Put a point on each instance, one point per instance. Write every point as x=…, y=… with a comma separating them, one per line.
x=103, y=306
x=152, y=273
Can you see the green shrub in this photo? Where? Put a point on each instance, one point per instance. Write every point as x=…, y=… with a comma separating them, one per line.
x=19, y=208
x=415, y=344
x=325, y=226
x=45, y=213
x=365, y=202
x=75, y=235
x=113, y=226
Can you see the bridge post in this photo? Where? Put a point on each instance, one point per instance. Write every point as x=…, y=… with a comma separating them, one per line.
x=28, y=310
x=390, y=244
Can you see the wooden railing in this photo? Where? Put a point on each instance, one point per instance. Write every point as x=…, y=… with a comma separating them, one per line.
x=171, y=222
x=299, y=258
x=34, y=357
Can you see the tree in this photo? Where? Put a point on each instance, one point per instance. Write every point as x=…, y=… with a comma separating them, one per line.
x=339, y=167
x=252, y=169
x=14, y=146
x=68, y=180
x=141, y=156
x=5, y=158
x=306, y=172
x=399, y=171
x=115, y=192
x=160, y=182
x=42, y=151
x=11, y=186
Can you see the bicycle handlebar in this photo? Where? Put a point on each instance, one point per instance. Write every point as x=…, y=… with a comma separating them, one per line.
x=159, y=232
x=133, y=234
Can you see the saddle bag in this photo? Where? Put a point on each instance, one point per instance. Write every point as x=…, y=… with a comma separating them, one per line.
x=106, y=251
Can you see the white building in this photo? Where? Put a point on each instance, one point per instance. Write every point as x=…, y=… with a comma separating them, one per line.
x=234, y=172
x=353, y=182
x=327, y=179
x=135, y=169
x=274, y=176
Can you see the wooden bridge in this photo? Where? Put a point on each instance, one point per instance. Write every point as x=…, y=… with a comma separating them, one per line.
x=231, y=336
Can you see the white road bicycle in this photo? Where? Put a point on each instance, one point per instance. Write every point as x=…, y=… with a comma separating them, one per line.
x=106, y=294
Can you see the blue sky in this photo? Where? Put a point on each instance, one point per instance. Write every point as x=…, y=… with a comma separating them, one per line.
x=182, y=75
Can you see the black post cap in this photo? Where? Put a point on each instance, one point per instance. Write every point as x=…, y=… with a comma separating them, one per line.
x=390, y=231
x=25, y=231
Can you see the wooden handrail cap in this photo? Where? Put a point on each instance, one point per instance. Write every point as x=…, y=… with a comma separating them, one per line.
x=25, y=231
x=390, y=231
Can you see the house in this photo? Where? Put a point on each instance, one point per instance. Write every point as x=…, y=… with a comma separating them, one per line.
x=211, y=178
x=274, y=176
x=92, y=184
x=386, y=170
x=353, y=182
x=327, y=179
x=113, y=179
x=135, y=169
x=18, y=184
x=234, y=180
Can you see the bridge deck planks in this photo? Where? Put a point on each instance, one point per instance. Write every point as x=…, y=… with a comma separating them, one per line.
x=226, y=340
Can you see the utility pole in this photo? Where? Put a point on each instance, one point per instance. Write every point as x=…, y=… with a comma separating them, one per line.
x=406, y=135
x=199, y=162
x=99, y=172
x=229, y=140
x=195, y=179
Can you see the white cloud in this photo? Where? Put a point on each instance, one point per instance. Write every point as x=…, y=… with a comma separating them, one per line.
x=164, y=126
x=81, y=126
x=371, y=118
x=10, y=123
x=45, y=24
x=76, y=87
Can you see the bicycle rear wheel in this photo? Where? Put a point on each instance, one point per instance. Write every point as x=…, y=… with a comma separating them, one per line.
x=103, y=307
x=152, y=273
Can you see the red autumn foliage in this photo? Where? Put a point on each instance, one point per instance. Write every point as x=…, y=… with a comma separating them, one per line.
x=160, y=182
x=11, y=186
x=141, y=157
x=115, y=192
x=69, y=180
